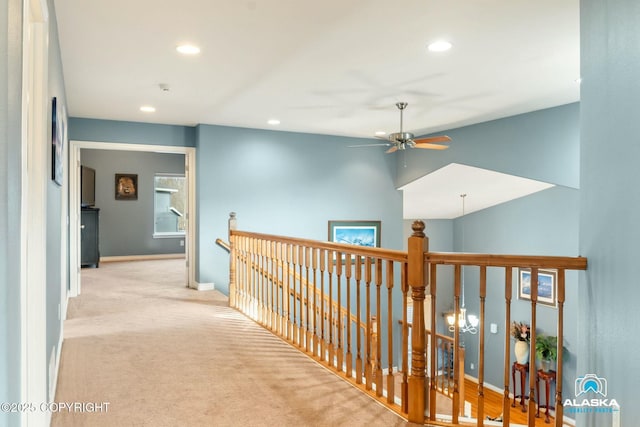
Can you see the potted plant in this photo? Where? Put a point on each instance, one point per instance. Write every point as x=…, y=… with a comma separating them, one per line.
x=546, y=350
x=521, y=333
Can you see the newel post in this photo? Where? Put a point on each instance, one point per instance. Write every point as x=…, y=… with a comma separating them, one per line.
x=232, y=225
x=417, y=279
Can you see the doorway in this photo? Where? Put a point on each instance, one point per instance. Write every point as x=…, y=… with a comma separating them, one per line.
x=75, y=203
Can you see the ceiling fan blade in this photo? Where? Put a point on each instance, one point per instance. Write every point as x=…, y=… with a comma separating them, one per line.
x=369, y=145
x=441, y=138
x=392, y=149
x=429, y=146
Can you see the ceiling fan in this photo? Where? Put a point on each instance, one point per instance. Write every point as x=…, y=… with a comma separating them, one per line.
x=403, y=140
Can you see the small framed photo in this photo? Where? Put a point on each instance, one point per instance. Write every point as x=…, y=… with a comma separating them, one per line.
x=126, y=186
x=361, y=233
x=547, y=280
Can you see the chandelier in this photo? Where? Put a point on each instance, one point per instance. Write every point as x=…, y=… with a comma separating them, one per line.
x=466, y=323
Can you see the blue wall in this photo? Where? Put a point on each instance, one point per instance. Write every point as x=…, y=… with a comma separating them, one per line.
x=542, y=145
x=610, y=201
x=289, y=184
x=126, y=226
x=131, y=132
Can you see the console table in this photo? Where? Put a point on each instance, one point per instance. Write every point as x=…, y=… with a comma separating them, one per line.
x=548, y=377
x=523, y=369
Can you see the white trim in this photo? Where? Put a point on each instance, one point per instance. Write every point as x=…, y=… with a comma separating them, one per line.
x=53, y=382
x=205, y=286
x=140, y=257
x=33, y=229
x=74, y=188
x=75, y=285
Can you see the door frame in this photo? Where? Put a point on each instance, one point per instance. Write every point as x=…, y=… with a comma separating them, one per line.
x=75, y=285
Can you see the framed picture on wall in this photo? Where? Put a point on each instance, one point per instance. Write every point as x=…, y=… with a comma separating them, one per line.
x=58, y=136
x=547, y=280
x=126, y=186
x=361, y=233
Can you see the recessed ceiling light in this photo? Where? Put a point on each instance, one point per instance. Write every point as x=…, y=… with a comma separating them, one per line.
x=273, y=122
x=148, y=109
x=439, y=46
x=380, y=133
x=188, y=49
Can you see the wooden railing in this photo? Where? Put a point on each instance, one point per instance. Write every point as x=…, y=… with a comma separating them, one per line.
x=347, y=307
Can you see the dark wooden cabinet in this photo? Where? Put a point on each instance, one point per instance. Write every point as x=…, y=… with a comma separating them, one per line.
x=89, y=243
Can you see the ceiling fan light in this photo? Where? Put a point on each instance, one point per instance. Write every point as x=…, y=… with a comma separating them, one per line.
x=439, y=46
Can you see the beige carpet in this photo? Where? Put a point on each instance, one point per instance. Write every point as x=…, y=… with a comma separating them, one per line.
x=164, y=355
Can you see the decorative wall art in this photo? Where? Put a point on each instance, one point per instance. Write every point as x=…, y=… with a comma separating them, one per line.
x=126, y=186
x=58, y=140
x=361, y=233
x=547, y=280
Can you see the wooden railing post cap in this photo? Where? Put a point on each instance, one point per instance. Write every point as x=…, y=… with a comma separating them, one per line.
x=232, y=215
x=418, y=228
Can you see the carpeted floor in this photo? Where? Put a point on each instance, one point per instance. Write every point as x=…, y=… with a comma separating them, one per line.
x=164, y=355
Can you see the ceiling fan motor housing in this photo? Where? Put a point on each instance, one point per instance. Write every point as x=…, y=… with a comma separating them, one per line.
x=402, y=137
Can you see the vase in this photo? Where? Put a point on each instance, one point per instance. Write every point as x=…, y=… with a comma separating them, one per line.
x=522, y=352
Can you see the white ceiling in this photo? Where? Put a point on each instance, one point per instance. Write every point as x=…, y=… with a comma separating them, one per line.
x=328, y=67
x=437, y=195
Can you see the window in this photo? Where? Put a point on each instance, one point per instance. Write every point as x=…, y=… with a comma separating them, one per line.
x=170, y=205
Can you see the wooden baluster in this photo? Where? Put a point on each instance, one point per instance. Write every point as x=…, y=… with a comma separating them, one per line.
x=378, y=360
x=339, y=332
x=279, y=290
x=418, y=245
x=483, y=296
x=349, y=356
x=506, y=401
x=240, y=275
x=367, y=341
x=307, y=300
x=323, y=314
x=432, y=344
x=314, y=266
x=300, y=336
x=275, y=286
x=294, y=299
x=253, y=310
x=259, y=279
x=358, y=321
x=263, y=284
x=282, y=321
x=533, y=373
x=390, y=376
x=404, y=392
x=331, y=261
x=456, y=343
x=561, y=298
x=232, y=224
x=270, y=285
x=286, y=295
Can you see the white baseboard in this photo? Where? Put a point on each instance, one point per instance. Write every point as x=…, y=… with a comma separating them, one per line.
x=140, y=257
x=202, y=286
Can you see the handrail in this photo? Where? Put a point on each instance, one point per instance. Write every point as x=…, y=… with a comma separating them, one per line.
x=224, y=244
x=498, y=260
x=363, y=251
